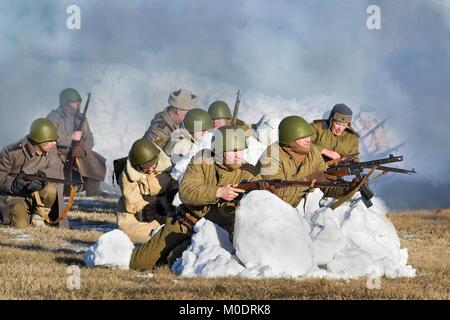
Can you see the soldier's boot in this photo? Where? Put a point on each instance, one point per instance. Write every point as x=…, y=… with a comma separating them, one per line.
x=160, y=245
x=92, y=187
x=20, y=214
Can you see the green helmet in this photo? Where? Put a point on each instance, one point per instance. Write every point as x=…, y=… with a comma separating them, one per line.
x=43, y=130
x=200, y=116
x=68, y=95
x=219, y=110
x=292, y=128
x=142, y=152
x=228, y=138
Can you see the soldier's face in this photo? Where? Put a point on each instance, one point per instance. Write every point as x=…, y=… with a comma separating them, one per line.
x=179, y=115
x=148, y=168
x=338, y=127
x=233, y=159
x=75, y=104
x=220, y=123
x=47, y=146
x=301, y=146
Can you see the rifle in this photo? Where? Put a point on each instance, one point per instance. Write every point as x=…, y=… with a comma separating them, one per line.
x=346, y=161
x=372, y=131
x=70, y=158
x=236, y=109
x=33, y=177
x=249, y=185
x=349, y=167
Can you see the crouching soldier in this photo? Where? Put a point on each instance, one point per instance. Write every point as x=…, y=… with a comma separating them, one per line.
x=293, y=158
x=192, y=129
x=24, y=202
x=208, y=189
x=335, y=136
x=147, y=190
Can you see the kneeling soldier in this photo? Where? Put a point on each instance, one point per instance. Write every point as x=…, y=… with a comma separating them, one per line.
x=24, y=202
x=146, y=190
x=208, y=189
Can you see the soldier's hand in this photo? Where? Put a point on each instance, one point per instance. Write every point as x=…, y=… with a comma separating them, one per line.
x=228, y=192
x=78, y=151
x=331, y=154
x=264, y=185
x=37, y=184
x=189, y=220
x=76, y=135
x=18, y=183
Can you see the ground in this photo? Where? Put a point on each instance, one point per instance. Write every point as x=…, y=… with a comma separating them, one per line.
x=35, y=265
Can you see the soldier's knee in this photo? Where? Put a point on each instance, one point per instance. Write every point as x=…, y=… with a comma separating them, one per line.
x=49, y=194
x=20, y=217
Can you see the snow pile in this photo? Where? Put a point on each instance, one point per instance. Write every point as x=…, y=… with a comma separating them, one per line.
x=113, y=248
x=273, y=239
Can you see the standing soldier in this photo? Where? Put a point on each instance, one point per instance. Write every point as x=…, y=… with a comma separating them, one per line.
x=335, y=136
x=147, y=190
x=67, y=118
x=168, y=120
x=191, y=130
x=293, y=158
x=24, y=202
x=208, y=189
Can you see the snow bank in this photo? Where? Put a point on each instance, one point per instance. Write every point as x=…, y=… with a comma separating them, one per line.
x=112, y=249
x=272, y=239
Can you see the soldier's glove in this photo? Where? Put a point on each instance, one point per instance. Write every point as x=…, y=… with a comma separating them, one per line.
x=78, y=151
x=18, y=183
x=188, y=220
x=37, y=185
x=264, y=185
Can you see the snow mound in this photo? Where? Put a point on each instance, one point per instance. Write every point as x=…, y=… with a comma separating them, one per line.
x=272, y=239
x=112, y=249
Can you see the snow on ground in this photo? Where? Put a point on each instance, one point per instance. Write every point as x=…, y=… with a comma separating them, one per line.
x=113, y=248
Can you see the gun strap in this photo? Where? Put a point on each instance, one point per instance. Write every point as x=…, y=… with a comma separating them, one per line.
x=349, y=195
x=40, y=207
x=63, y=215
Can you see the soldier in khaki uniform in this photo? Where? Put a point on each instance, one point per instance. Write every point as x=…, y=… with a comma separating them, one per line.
x=146, y=187
x=293, y=158
x=168, y=120
x=23, y=202
x=335, y=137
x=208, y=189
x=221, y=116
x=67, y=118
x=192, y=129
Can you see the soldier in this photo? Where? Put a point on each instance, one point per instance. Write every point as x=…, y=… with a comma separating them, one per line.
x=208, y=189
x=147, y=190
x=293, y=158
x=66, y=118
x=192, y=129
x=221, y=116
x=167, y=121
x=335, y=136
x=23, y=202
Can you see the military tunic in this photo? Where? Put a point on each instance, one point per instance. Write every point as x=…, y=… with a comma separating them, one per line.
x=67, y=120
x=346, y=144
x=161, y=128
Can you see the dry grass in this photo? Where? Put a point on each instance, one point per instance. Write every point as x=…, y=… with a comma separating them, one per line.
x=36, y=268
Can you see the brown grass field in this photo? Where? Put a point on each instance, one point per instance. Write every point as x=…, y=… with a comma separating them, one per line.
x=34, y=262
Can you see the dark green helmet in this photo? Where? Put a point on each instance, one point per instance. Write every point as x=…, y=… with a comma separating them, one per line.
x=219, y=110
x=68, y=95
x=43, y=130
x=200, y=116
x=292, y=128
x=228, y=138
x=142, y=151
